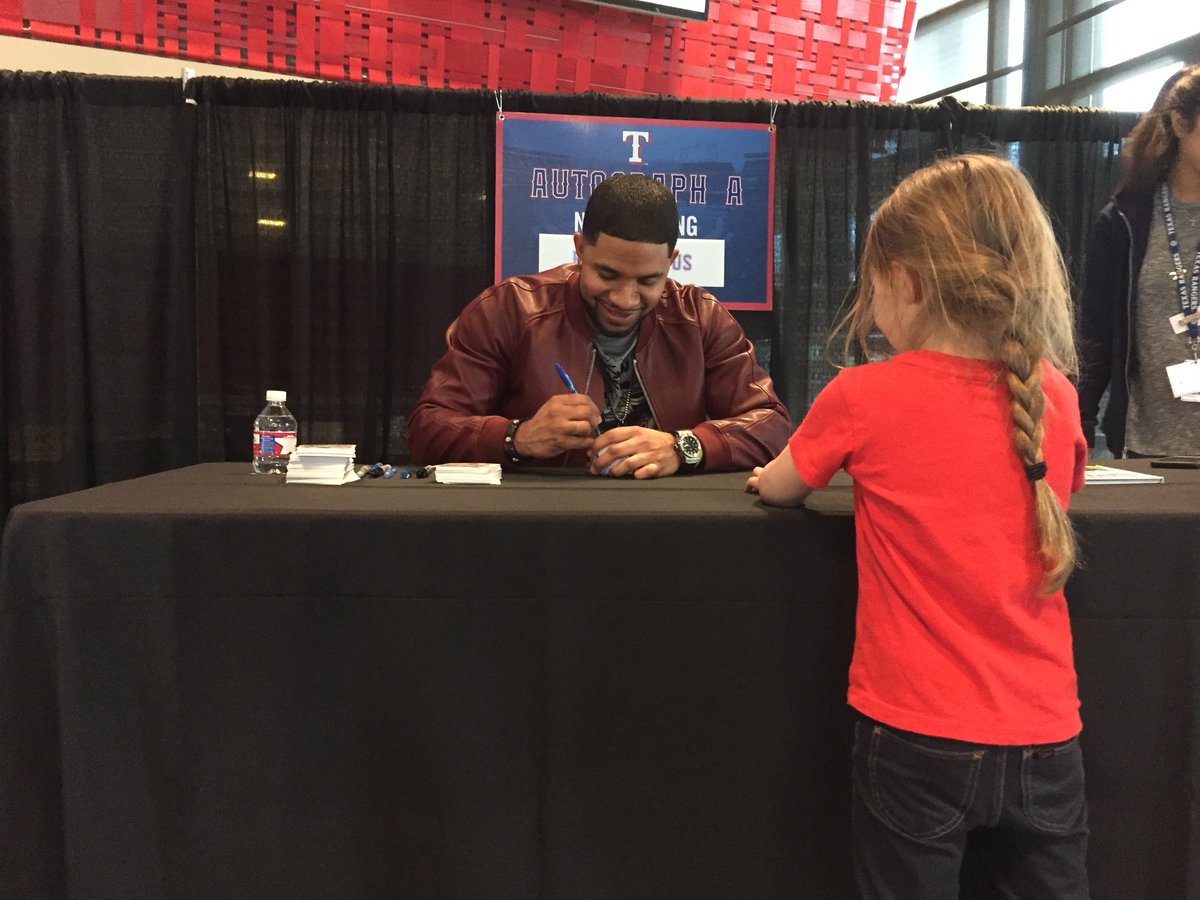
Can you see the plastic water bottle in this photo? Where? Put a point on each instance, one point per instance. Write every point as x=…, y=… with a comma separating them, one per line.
x=274, y=436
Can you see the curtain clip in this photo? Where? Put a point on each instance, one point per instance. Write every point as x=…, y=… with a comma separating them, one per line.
x=499, y=104
x=186, y=76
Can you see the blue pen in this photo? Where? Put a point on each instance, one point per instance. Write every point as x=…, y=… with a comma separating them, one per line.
x=409, y=472
x=566, y=379
x=374, y=470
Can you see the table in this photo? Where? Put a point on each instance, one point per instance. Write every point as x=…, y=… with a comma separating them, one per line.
x=213, y=684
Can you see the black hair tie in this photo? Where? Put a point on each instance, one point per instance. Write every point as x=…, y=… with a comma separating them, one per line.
x=1036, y=472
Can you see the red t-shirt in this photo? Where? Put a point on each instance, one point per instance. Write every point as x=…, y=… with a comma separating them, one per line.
x=952, y=638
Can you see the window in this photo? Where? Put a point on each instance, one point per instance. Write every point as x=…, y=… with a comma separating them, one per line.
x=1109, y=53
x=949, y=50
x=969, y=49
x=1135, y=93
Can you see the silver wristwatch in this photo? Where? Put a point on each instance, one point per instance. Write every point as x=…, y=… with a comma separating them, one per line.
x=689, y=449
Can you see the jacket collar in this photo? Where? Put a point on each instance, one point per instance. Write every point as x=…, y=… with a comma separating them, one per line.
x=1137, y=206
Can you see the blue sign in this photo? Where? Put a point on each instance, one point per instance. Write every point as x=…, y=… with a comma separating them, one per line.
x=721, y=173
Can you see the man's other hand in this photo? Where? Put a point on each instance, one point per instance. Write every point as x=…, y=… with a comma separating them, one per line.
x=633, y=450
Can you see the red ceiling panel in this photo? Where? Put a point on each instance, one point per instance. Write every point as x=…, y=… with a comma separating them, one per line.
x=748, y=49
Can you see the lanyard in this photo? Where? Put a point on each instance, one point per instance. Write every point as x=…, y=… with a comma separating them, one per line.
x=1188, y=288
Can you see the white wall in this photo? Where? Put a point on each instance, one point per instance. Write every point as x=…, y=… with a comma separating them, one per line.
x=27, y=55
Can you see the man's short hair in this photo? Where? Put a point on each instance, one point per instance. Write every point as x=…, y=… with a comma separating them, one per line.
x=632, y=208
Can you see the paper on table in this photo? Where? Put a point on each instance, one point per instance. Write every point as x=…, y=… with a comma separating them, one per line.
x=323, y=450
x=322, y=464
x=1097, y=474
x=321, y=474
x=467, y=473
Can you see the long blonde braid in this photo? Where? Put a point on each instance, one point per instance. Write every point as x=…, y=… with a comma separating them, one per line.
x=1056, y=537
x=971, y=230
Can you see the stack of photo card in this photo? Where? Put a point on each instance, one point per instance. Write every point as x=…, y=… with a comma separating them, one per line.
x=322, y=464
x=467, y=473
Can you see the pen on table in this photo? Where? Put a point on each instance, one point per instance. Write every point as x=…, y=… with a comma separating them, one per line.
x=374, y=470
x=410, y=472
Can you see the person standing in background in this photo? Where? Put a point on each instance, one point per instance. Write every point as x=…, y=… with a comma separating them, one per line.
x=1141, y=280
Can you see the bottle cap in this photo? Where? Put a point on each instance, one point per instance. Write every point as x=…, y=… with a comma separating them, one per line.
x=276, y=396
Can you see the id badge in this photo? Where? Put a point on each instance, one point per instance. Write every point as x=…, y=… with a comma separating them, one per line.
x=1185, y=380
x=1179, y=321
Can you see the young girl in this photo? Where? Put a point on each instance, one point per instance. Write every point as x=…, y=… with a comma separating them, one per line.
x=964, y=448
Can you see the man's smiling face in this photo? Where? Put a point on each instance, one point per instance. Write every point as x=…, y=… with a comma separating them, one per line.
x=621, y=281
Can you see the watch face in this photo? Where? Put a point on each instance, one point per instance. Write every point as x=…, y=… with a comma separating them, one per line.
x=689, y=448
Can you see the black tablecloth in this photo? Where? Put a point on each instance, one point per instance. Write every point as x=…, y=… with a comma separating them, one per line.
x=214, y=684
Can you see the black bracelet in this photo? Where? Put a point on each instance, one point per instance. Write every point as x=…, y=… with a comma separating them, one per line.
x=510, y=442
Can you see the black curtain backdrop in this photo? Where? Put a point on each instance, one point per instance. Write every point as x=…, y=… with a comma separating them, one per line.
x=97, y=282
x=168, y=252
x=1071, y=155
x=338, y=231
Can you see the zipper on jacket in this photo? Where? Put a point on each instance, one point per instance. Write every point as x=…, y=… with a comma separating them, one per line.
x=1129, y=335
x=645, y=393
x=591, y=368
x=587, y=384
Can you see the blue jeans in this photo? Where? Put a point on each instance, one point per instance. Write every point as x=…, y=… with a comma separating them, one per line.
x=936, y=818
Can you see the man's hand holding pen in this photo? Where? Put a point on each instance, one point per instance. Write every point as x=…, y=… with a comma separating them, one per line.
x=564, y=422
x=629, y=450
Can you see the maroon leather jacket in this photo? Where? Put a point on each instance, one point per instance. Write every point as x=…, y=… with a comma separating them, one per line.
x=695, y=364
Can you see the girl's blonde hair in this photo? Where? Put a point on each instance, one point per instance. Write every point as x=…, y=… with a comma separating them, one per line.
x=972, y=233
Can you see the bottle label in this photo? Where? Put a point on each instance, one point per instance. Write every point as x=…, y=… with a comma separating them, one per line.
x=274, y=443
